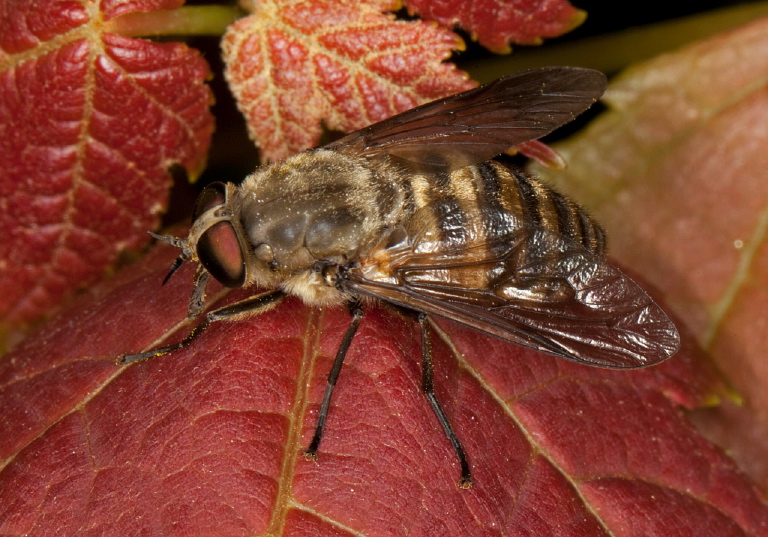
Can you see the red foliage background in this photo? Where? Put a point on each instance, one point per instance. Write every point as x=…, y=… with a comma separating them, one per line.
x=494, y=23
x=209, y=440
x=292, y=64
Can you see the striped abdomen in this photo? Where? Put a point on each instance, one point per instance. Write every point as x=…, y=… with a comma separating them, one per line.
x=489, y=201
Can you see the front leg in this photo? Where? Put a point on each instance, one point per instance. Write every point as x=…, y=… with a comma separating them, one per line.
x=245, y=308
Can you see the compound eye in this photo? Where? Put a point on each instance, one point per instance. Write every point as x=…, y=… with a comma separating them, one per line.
x=212, y=196
x=219, y=251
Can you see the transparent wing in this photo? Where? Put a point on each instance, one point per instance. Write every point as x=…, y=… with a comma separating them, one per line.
x=535, y=288
x=479, y=124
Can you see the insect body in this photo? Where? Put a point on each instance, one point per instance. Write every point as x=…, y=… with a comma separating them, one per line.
x=413, y=211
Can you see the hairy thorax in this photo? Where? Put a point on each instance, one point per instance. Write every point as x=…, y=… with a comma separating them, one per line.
x=315, y=210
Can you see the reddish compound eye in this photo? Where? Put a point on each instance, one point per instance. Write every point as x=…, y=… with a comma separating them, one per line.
x=218, y=249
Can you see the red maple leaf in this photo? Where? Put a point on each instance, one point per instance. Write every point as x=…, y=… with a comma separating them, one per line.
x=90, y=122
x=210, y=439
x=293, y=64
x=494, y=23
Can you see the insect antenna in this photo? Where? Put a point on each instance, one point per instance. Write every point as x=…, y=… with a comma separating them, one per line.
x=176, y=266
x=183, y=256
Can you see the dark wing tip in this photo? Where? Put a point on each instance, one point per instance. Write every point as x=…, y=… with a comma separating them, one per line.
x=481, y=123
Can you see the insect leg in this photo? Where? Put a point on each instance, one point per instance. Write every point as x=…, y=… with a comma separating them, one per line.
x=197, y=299
x=357, y=315
x=428, y=387
x=250, y=306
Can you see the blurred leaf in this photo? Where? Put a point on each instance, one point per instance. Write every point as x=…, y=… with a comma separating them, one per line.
x=677, y=171
x=494, y=23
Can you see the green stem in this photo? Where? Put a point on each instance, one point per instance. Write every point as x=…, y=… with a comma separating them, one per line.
x=186, y=20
